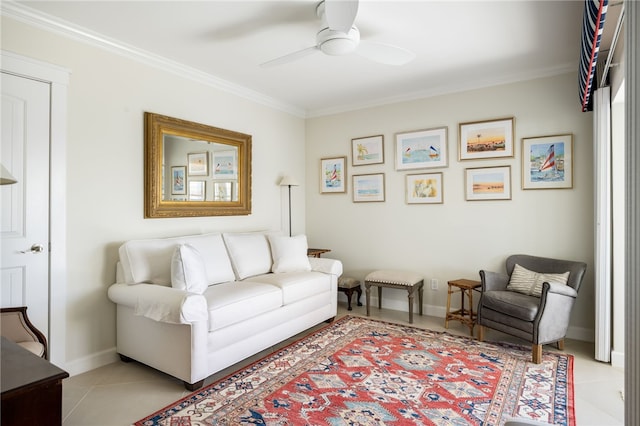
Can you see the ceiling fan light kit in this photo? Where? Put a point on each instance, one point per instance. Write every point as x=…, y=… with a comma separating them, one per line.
x=339, y=36
x=337, y=43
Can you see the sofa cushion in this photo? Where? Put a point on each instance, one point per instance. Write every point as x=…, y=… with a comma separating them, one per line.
x=188, y=271
x=149, y=260
x=289, y=253
x=530, y=283
x=234, y=302
x=249, y=252
x=296, y=286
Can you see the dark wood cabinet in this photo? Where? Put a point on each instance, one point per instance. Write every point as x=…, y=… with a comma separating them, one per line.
x=31, y=387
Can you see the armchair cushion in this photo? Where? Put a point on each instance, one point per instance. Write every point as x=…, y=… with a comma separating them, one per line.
x=188, y=271
x=530, y=282
x=512, y=303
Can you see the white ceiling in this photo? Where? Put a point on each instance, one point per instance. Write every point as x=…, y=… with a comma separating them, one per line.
x=460, y=45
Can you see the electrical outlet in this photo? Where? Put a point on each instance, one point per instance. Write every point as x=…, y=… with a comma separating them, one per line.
x=434, y=283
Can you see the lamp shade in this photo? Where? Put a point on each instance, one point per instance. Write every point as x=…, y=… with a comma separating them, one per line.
x=5, y=177
x=289, y=181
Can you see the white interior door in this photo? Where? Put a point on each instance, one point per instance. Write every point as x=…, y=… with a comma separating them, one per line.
x=24, y=210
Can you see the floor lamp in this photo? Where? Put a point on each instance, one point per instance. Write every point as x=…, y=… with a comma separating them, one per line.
x=289, y=181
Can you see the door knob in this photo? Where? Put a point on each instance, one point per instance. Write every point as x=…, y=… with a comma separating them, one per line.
x=36, y=248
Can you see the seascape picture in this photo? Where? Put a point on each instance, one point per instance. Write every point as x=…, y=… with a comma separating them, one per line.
x=368, y=188
x=488, y=139
x=367, y=150
x=488, y=183
x=225, y=164
x=421, y=149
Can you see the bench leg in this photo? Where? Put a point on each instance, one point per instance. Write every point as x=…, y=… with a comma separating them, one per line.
x=349, y=293
x=410, y=290
x=368, y=296
x=379, y=297
x=359, y=291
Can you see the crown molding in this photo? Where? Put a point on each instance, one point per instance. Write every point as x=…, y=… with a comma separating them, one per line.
x=445, y=90
x=25, y=14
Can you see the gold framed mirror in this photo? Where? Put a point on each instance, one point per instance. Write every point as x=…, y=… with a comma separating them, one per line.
x=192, y=169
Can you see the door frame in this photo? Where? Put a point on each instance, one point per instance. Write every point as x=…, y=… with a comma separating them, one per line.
x=58, y=80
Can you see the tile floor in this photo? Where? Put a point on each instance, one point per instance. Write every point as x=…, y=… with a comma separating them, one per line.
x=122, y=393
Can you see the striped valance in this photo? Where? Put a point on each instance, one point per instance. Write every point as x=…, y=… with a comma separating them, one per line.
x=592, y=24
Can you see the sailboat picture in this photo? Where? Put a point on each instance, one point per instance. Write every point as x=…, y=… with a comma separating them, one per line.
x=421, y=149
x=547, y=162
x=333, y=175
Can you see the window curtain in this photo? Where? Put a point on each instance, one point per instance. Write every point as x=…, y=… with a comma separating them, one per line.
x=603, y=260
x=593, y=18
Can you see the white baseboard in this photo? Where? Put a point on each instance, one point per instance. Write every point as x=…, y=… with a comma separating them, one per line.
x=581, y=333
x=617, y=359
x=91, y=362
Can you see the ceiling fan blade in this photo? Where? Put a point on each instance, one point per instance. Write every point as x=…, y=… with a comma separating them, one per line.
x=290, y=57
x=340, y=14
x=384, y=53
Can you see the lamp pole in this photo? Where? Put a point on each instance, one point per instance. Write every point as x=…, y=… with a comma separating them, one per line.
x=289, y=181
x=289, y=209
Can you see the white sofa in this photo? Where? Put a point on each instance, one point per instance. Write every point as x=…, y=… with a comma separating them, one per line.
x=191, y=306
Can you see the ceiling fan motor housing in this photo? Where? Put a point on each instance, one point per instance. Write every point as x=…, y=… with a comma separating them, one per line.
x=336, y=42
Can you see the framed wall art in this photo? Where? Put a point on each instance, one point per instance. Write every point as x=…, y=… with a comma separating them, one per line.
x=333, y=175
x=197, y=190
x=424, y=188
x=198, y=164
x=367, y=150
x=224, y=165
x=368, y=188
x=223, y=191
x=488, y=183
x=178, y=180
x=547, y=162
x=486, y=139
x=421, y=149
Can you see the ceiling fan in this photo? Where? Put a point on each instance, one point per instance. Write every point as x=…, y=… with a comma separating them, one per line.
x=339, y=36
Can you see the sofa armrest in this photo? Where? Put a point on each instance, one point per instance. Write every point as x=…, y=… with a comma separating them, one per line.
x=493, y=281
x=160, y=303
x=328, y=266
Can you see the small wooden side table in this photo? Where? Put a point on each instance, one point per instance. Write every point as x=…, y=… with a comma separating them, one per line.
x=31, y=387
x=464, y=315
x=315, y=252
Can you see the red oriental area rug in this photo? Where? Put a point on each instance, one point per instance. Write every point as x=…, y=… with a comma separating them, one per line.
x=359, y=371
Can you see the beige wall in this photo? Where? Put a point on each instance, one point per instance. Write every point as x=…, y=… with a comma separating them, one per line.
x=457, y=238
x=108, y=94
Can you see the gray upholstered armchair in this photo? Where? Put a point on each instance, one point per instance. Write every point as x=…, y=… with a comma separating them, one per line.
x=539, y=320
